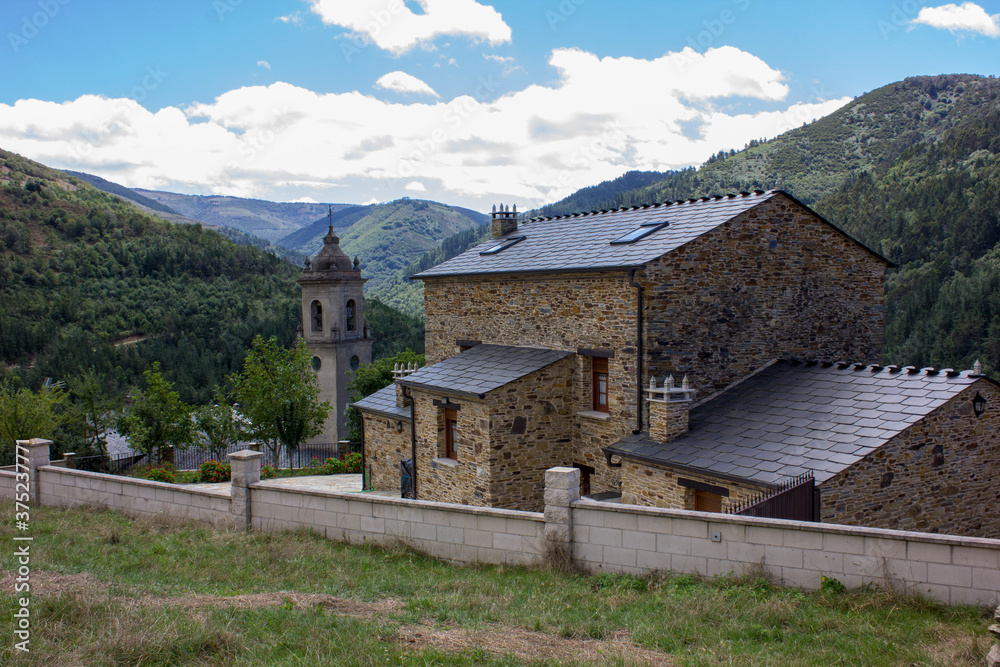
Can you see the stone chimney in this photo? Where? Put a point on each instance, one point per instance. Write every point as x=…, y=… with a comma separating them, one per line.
x=504, y=220
x=668, y=409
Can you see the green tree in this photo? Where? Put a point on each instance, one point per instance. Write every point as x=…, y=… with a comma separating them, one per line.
x=219, y=426
x=369, y=378
x=158, y=418
x=94, y=409
x=26, y=414
x=278, y=393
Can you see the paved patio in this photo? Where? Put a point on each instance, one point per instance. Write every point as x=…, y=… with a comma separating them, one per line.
x=341, y=483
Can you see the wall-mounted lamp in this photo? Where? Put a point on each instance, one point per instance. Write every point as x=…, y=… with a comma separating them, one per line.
x=979, y=404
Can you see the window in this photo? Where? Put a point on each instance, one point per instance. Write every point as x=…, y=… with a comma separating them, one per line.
x=502, y=245
x=349, y=312
x=642, y=232
x=706, y=501
x=317, y=364
x=451, y=434
x=355, y=362
x=600, y=382
x=316, y=311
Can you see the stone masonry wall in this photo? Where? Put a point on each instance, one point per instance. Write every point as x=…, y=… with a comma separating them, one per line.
x=654, y=486
x=531, y=430
x=384, y=449
x=439, y=479
x=505, y=442
x=940, y=475
x=773, y=282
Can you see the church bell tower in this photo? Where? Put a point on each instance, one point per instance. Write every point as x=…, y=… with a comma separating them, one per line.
x=334, y=328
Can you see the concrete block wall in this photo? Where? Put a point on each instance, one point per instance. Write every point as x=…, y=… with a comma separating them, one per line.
x=625, y=538
x=7, y=478
x=68, y=487
x=455, y=532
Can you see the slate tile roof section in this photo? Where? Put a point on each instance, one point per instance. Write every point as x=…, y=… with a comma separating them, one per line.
x=583, y=240
x=383, y=402
x=830, y=417
x=482, y=369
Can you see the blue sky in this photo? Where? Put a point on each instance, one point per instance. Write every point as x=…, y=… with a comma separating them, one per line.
x=463, y=101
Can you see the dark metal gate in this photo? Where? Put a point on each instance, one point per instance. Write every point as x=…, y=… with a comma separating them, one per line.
x=793, y=499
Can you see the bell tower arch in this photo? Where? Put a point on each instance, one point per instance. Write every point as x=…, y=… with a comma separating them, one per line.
x=334, y=328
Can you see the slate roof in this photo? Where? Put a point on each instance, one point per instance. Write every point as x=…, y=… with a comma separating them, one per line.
x=582, y=241
x=383, y=402
x=793, y=417
x=482, y=369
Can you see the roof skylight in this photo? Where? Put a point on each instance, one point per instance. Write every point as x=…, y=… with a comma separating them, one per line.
x=640, y=233
x=502, y=245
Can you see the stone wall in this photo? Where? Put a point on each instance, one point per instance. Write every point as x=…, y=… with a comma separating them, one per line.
x=773, y=282
x=649, y=485
x=940, y=475
x=505, y=442
x=385, y=447
x=531, y=430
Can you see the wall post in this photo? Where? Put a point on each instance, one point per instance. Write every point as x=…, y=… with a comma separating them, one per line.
x=32, y=455
x=562, y=488
x=246, y=471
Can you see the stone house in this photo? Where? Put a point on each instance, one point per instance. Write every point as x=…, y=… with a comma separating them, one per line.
x=903, y=448
x=540, y=341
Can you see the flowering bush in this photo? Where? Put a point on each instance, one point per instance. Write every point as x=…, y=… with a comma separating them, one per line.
x=160, y=475
x=211, y=472
x=353, y=462
x=333, y=467
x=268, y=472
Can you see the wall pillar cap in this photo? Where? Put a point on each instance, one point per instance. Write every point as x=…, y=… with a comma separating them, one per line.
x=245, y=455
x=35, y=442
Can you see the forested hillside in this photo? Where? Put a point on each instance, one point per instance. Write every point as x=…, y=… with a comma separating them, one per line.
x=388, y=238
x=911, y=169
x=266, y=219
x=87, y=280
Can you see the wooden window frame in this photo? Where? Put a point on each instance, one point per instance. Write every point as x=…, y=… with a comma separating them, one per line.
x=599, y=383
x=451, y=434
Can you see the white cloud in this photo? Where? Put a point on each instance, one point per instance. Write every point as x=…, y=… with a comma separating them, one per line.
x=416, y=186
x=509, y=63
x=304, y=200
x=295, y=18
x=967, y=17
x=263, y=63
x=401, y=82
x=392, y=26
x=530, y=145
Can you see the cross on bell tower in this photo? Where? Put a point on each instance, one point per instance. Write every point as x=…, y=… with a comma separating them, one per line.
x=334, y=327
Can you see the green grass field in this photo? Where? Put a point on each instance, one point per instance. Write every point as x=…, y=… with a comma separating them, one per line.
x=112, y=590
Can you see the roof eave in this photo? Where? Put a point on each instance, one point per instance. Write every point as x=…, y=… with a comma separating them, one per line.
x=584, y=269
x=441, y=390
x=611, y=451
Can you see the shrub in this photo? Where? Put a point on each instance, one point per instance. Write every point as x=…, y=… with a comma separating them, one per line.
x=333, y=467
x=160, y=475
x=353, y=462
x=211, y=472
x=268, y=472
